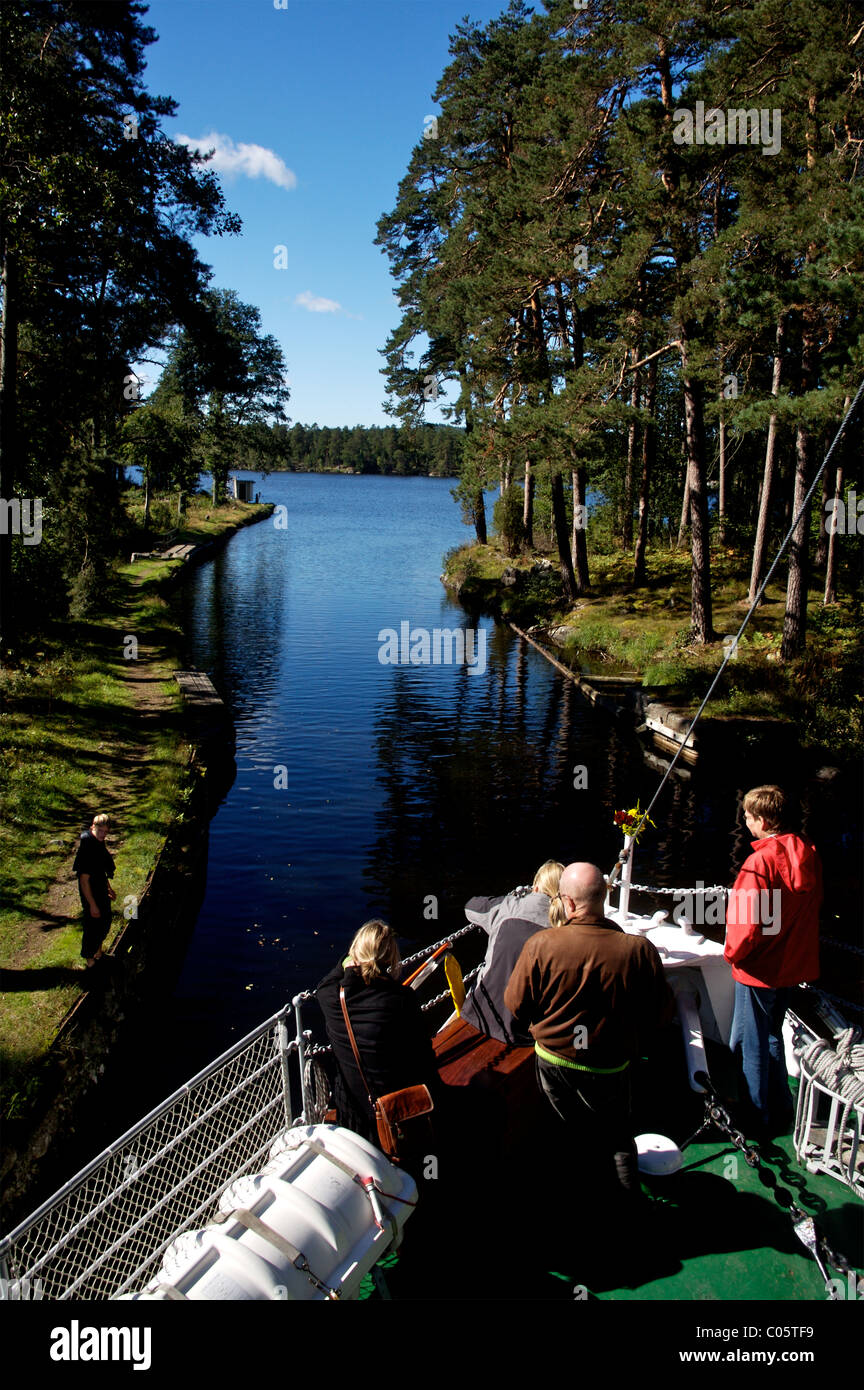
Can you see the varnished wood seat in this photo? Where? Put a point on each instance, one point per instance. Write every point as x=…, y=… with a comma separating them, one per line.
x=468, y=1058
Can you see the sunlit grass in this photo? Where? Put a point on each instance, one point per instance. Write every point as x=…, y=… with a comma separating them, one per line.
x=72, y=743
x=616, y=629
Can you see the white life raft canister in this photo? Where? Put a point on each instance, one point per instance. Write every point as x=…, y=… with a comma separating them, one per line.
x=322, y=1211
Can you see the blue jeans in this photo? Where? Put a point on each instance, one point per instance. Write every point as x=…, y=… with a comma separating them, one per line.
x=757, y=1038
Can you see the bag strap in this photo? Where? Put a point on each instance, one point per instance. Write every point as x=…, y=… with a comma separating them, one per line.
x=353, y=1042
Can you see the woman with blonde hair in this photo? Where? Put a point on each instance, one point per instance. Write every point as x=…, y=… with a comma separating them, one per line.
x=509, y=921
x=387, y=1022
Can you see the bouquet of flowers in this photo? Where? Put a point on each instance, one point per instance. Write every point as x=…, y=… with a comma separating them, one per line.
x=629, y=820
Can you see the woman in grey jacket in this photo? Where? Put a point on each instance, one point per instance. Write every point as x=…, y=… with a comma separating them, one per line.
x=509, y=922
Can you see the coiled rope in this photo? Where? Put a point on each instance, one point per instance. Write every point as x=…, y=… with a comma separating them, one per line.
x=840, y=1068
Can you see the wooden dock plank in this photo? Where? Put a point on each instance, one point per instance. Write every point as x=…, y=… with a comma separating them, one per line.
x=197, y=688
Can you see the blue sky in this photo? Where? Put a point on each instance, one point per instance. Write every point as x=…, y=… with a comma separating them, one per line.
x=314, y=109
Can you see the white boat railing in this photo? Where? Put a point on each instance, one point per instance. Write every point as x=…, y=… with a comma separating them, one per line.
x=104, y=1232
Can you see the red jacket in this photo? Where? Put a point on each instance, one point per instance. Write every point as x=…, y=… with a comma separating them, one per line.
x=772, y=917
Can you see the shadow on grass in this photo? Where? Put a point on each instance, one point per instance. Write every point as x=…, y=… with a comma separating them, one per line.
x=42, y=977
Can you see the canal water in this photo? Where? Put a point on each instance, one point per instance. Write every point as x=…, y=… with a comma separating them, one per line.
x=365, y=788
x=369, y=789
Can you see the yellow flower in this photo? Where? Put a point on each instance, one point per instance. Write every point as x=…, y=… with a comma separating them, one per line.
x=627, y=821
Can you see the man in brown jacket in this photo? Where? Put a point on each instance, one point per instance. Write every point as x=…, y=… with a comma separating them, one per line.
x=592, y=997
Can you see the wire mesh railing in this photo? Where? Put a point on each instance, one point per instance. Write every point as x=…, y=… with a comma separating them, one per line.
x=104, y=1232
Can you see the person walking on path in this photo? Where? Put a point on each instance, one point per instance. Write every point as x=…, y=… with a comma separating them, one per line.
x=772, y=944
x=94, y=866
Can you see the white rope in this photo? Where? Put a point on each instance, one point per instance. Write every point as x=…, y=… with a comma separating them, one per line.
x=840, y=1068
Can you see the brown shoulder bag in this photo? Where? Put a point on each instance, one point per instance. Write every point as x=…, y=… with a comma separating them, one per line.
x=401, y=1116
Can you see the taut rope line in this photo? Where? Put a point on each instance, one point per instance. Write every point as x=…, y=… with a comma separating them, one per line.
x=622, y=858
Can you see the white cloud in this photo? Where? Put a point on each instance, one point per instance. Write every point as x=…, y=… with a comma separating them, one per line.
x=316, y=304
x=252, y=161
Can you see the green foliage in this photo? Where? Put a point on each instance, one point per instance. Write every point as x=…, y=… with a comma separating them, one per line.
x=430, y=449
x=660, y=675
x=95, y=241
x=162, y=517
x=608, y=641
x=84, y=590
x=556, y=236
x=507, y=519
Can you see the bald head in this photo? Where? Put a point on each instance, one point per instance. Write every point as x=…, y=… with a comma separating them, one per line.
x=583, y=892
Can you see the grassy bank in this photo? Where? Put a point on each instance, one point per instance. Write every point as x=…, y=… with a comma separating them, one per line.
x=616, y=629
x=85, y=728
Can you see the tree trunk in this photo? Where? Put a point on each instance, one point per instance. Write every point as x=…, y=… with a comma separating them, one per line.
x=830, y=595
x=821, y=556
x=480, y=516
x=721, y=486
x=831, y=560
x=8, y=430
x=795, y=619
x=768, y=475
x=700, y=580
x=627, y=512
x=685, y=509
x=562, y=539
x=146, y=498
x=580, y=544
x=649, y=446
x=528, y=506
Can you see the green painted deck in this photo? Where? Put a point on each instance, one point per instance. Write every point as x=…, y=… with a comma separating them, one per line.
x=726, y=1237
x=527, y=1228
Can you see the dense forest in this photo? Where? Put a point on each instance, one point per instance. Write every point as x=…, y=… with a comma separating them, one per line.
x=97, y=211
x=434, y=450
x=99, y=273
x=629, y=253
x=631, y=247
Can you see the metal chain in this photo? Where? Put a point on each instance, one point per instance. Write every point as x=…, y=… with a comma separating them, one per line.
x=439, y=998
x=451, y=936
x=840, y=1262
x=676, y=892
x=716, y=1114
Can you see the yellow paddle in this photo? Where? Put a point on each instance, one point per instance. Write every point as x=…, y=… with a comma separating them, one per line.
x=453, y=972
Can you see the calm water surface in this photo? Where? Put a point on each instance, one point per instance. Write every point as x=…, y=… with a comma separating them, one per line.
x=401, y=784
x=406, y=789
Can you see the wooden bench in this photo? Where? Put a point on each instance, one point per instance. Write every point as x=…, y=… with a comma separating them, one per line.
x=468, y=1058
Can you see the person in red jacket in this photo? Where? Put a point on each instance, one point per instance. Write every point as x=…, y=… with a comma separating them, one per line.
x=772, y=944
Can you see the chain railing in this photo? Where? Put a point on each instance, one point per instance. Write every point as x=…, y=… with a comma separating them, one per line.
x=104, y=1232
